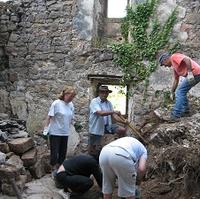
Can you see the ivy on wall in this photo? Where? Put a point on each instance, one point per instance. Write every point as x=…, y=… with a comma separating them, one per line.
x=143, y=37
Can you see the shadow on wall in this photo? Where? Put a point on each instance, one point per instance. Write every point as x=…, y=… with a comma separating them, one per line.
x=4, y=59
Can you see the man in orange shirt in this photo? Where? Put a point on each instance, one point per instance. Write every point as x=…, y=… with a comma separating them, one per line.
x=183, y=66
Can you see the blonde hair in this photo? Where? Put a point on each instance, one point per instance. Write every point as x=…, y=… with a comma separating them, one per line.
x=67, y=90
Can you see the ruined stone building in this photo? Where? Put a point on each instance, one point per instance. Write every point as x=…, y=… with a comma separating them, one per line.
x=46, y=44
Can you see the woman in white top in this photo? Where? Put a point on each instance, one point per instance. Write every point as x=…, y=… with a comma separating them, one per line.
x=58, y=123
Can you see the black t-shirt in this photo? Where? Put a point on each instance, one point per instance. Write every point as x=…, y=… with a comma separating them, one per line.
x=84, y=165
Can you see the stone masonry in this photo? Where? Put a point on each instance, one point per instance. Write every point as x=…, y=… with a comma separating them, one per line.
x=45, y=45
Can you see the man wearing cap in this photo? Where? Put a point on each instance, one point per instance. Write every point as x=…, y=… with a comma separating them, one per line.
x=183, y=66
x=100, y=120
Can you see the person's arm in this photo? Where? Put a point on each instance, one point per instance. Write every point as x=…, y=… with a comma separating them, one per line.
x=175, y=84
x=47, y=122
x=95, y=171
x=117, y=115
x=96, y=108
x=104, y=113
x=98, y=176
x=141, y=169
x=46, y=126
x=117, y=118
x=187, y=62
x=50, y=115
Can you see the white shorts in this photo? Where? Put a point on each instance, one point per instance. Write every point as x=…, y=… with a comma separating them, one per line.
x=115, y=163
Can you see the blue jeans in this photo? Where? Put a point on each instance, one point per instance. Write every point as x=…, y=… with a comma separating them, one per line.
x=181, y=105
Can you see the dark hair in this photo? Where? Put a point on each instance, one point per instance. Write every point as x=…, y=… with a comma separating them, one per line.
x=163, y=57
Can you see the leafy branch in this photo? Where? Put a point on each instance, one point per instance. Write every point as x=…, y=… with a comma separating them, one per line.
x=143, y=37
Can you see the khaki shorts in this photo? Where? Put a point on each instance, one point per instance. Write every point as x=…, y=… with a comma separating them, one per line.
x=117, y=163
x=95, y=139
x=111, y=129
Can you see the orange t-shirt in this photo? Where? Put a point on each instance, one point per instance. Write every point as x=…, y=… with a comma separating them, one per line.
x=180, y=68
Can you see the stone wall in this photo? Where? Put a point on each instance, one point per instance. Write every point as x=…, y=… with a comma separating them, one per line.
x=47, y=44
x=48, y=47
x=186, y=31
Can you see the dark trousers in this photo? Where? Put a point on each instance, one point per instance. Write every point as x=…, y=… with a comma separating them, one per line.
x=77, y=183
x=58, y=149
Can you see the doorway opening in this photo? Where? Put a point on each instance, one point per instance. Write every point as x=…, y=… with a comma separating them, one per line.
x=119, y=95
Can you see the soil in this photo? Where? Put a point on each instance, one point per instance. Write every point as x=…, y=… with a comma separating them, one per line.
x=174, y=157
x=173, y=170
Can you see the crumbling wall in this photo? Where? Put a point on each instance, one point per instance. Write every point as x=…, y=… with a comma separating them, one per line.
x=47, y=44
x=8, y=19
x=49, y=47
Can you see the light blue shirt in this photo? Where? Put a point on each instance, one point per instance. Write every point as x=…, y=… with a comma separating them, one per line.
x=96, y=122
x=134, y=147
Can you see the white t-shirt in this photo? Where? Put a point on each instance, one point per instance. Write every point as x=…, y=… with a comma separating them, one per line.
x=62, y=114
x=134, y=147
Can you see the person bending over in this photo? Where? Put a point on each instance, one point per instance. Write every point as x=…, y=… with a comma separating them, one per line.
x=75, y=174
x=123, y=159
x=183, y=66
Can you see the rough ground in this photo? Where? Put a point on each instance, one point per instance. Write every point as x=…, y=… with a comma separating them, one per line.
x=173, y=162
x=174, y=155
x=44, y=188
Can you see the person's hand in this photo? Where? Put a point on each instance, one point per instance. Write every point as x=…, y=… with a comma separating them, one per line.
x=172, y=96
x=126, y=122
x=45, y=131
x=191, y=79
x=190, y=75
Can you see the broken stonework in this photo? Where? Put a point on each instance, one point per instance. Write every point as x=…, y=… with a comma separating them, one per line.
x=17, y=162
x=4, y=147
x=14, y=141
x=12, y=129
x=21, y=145
x=38, y=169
x=20, y=159
x=2, y=158
x=9, y=171
x=3, y=136
x=42, y=165
x=20, y=183
x=29, y=157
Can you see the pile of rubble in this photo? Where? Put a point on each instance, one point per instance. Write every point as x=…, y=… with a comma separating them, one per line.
x=174, y=156
x=173, y=163
x=21, y=158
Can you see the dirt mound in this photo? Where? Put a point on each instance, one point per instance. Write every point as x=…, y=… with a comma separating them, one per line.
x=174, y=173
x=174, y=157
